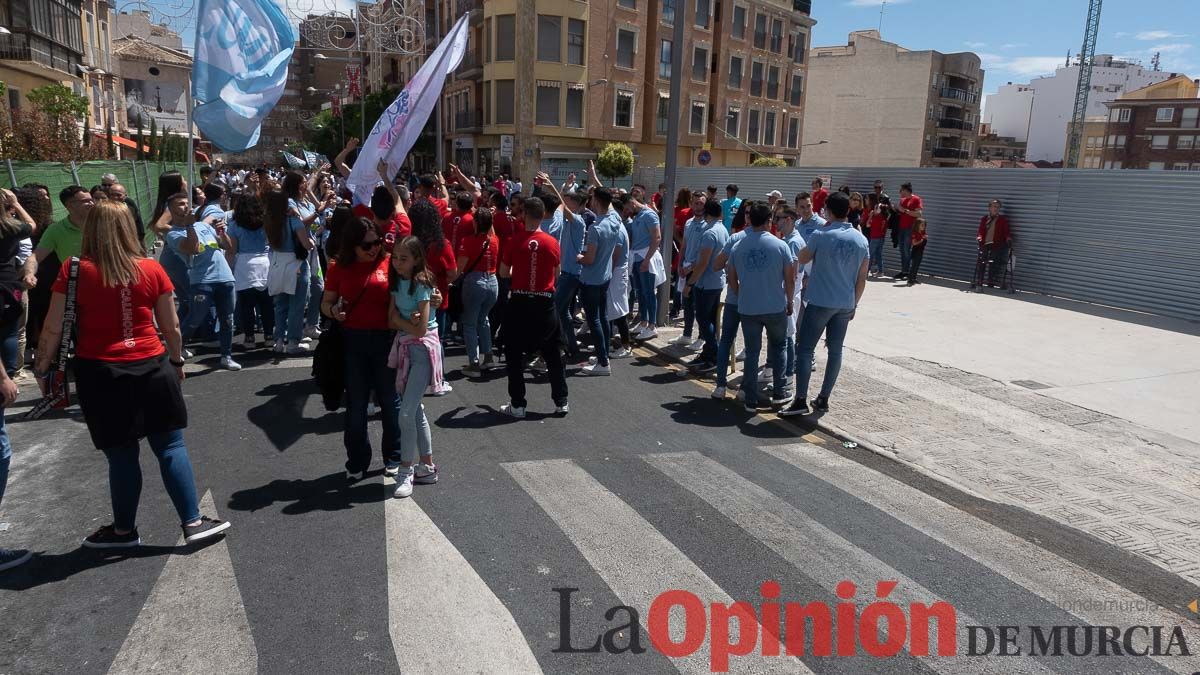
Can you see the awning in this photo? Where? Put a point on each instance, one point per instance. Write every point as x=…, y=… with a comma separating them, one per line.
x=121, y=140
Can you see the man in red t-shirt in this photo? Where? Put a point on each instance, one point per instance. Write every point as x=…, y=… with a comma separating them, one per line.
x=387, y=212
x=459, y=222
x=433, y=188
x=910, y=209
x=819, y=195
x=532, y=261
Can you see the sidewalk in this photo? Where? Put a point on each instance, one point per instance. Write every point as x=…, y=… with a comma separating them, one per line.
x=1099, y=432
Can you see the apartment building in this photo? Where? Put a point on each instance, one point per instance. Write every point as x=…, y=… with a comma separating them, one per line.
x=883, y=105
x=1091, y=148
x=43, y=45
x=1156, y=127
x=546, y=83
x=101, y=83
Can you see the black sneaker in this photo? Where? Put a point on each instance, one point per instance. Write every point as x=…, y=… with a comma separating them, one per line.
x=107, y=537
x=697, y=363
x=798, y=407
x=207, y=527
x=821, y=404
x=704, y=367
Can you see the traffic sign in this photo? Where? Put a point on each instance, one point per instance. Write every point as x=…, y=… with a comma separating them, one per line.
x=704, y=157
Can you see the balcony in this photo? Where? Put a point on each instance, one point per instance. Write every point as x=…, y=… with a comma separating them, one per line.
x=468, y=120
x=949, y=153
x=471, y=67
x=39, y=56
x=955, y=94
x=804, y=6
x=955, y=123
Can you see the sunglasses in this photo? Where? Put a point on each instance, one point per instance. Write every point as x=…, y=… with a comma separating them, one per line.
x=371, y=245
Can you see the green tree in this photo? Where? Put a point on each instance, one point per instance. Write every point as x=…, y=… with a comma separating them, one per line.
x=141, y=152
x=769, y=161
x=615, y=161
x=109, y=150
x=153, y=141
x=58, y=101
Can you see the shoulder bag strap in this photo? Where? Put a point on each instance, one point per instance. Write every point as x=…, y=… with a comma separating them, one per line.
x=68, y=326
x=482, y=252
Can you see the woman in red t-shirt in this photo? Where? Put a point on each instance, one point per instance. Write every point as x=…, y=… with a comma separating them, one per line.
x=478, y=254
x=875, y=219
x=356, y=296
x=128, y=384
x=683, y=213
x=439, y=257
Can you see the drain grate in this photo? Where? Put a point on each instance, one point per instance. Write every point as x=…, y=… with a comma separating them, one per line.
x=1030, y=384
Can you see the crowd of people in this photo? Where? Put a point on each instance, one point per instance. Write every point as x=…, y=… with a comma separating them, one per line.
x=560, y=277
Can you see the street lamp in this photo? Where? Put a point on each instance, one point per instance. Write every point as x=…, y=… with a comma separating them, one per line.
x=362, y=97
x=823, y=141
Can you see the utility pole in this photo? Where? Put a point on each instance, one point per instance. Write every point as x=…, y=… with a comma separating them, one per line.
x=525, y=162
x=1087, y=56
x=667, y=224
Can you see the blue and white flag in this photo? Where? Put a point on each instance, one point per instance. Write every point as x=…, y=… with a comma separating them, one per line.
x=312, y=160
x=397, y=129
x=242, y=52
x=292, y=161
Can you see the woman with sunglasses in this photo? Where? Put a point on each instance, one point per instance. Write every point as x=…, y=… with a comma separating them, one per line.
x=357, y=296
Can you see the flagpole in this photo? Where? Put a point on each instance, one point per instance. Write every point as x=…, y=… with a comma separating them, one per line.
x=191, y=152
x=439, y=154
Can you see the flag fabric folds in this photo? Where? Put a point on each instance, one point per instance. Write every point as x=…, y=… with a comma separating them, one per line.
x=397, y=129
x=293, y=161
x=241, y=64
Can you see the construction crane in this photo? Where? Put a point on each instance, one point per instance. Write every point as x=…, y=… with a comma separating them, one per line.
x=1087, y=56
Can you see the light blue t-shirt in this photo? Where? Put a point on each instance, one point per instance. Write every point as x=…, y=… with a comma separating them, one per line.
x=621, y=254
x=759, y=260
x=209, y=265
x=212, y=209
x=408, y=303
x=296, y=224
x=570, y=243
x=713, y=239
x=729, y=207
x=809, y=225
x=553, y=225
x=838, y=253
x=640, y=229
x=691, y=240
x=249, y=241
x=606, y=235
x=731, y=297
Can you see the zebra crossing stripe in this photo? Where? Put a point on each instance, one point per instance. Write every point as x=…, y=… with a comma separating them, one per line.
x=442, y=616
x=636, y=561
x=1080, y=592
x=194, y=620
x=819, y=553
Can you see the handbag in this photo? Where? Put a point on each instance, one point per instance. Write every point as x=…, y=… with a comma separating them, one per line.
x=456, y=299
x=328, y=366
x=56, y=391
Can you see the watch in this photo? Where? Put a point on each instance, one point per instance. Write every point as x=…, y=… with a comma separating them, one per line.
x=178, y=364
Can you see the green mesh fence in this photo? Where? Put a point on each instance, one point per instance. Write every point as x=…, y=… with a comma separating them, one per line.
x=140, y=178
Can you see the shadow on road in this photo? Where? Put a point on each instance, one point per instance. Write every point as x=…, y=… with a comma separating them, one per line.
x=55, y=567
x=332, y=492
x=285, y=401
x=708, y=412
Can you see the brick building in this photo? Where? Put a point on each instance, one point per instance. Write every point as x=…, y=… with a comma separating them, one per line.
x=1156, y=127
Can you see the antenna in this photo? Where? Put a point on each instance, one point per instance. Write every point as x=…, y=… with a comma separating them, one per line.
x=882, y=6
x=1156, y=62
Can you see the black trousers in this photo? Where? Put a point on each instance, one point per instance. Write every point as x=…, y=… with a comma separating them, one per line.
x=914, y=265
x=499, y=310
x=530, y=327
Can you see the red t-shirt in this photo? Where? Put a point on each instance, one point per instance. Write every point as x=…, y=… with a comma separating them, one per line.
x=399, y=226
x=457, y=225
x=440, y=260
x=534, y=257
x=470, y=246
x=878, y=226
x=504, y=227
x=443, y=206
x=912, y=202
x=818, y=200
x=370, y=279
x=116, y=324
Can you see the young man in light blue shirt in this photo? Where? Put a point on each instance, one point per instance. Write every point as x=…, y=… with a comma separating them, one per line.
x=730, y=206
x=839, y=257
x=705, y=283
x=762, y=270
x=569, y=229
x=645, y=235
x=603, y=240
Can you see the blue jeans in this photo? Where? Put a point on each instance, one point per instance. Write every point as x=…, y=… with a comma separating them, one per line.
x=316, y=288
x=479, y=291
x=706, y=301
x=367, y=372
x=647, y=298
x=729, y=327
x=125, y=477
x=789, y=369
x=752, y=331
x=595, y=305
x=5, y=454
x=877, y=255
x=289, y=309
x=415, y=441
x=565, y=291
x=833, y=323
x=905, y=250
x=204, y=296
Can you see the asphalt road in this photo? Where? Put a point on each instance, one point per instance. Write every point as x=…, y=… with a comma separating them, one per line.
x=648, y=485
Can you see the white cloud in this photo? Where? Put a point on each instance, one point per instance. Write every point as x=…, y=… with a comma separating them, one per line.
x=1155, y=35
x=1174, y=48
x=873, y=3
x=1121, y=34
x=975, y=45
x=1022, y=66
x=1012, y=45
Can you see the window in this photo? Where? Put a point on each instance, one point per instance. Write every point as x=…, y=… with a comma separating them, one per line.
x=769, y=129
x=1188, y=118
x=1125, y=114
x=760, y=31
x=626, y=47
x=797, y=88
x=1164, y=115
x=752, y=127
x=627, y=4
x=777, y=36
x=756, y=78
x=1185, y=142
x=793, y=137
x=668, y=12
x=547, y=104
x=505, y=96
x=662, y=116
x=664, y=59
x=1091, y=141
x=506, y=31
x=575, y=106
x=1181, y=166
x=703, y=13
x=773, y=83
x=700, y=64
x=487, y=41
x=1159, y=142
x=1121, y=141
x=623, y=111
x=1157, y=166
x=739, y=22
x=735, y=72
x=696, y=125
x=1115, y=164
x=90, y=38
x=487, y=102
x=576, y=30
x=733, y=120
x=799, y=47
x=549, y=38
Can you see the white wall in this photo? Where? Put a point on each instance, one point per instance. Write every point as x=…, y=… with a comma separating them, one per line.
x=1007, y=111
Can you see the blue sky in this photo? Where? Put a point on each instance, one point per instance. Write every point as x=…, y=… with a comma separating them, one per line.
x=1022, y=39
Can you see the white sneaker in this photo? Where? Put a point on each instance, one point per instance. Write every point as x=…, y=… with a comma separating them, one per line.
x=279, y=347
x=681, y=340
x=187, y=353
x=372, y=409
x=312, y=332
x=512, y=411
x=300, y=349
x=741, y=355
x=404, y=486
x=538, y=365
x=228, y=363
x=696, y=346
x=622, y=353
x=446, y=389
x=354, y=476
x=718, y=393
x=648, y=333
x=306, y=340
x=391, y=470
x=562, y=409
x=592, y=360
x=597, y=369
